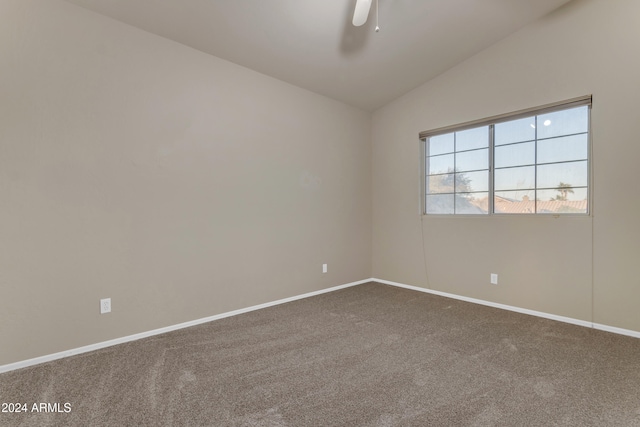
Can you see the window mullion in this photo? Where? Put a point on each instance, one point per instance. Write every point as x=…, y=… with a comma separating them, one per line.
x=490, y=207
x=535, y=169
x=455, y=183
x=425, y=176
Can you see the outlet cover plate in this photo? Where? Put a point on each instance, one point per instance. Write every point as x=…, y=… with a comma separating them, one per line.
x=494, y=279
x=105, y=305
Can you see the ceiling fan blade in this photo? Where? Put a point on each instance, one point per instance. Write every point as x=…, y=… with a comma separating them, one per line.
x=361, y=12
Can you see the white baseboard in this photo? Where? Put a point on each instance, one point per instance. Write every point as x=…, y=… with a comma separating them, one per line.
x=104, y=344
x=615, y=330
x=578, y=322
x=97, y=346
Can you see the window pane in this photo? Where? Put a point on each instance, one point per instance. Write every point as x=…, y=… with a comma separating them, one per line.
x=566, y=122
x=563, y=193
x=472, y=138
x=563, y=175
x=472, y=160
x=515, y=131
x=515, y=178
x=440, y=144
x=515, y=155
x=440, y=204
x=440, y=184
x=563, y=149
x=472, y=181
x=558, y=201
x=440, y=164
x=513, y=202
x=472, y=203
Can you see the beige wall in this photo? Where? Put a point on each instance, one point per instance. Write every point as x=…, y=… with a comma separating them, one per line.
x=176, y=183
x=584, y=268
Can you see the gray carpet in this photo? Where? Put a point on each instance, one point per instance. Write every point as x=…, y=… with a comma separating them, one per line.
x=370, y=355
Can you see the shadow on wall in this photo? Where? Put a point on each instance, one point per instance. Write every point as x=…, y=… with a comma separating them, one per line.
x=354, y=39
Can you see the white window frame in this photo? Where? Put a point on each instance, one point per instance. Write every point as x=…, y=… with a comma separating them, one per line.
x=491, y=122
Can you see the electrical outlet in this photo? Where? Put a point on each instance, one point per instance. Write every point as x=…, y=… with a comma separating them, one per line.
x=324, y=268
x=494, y=279
x=105, y=305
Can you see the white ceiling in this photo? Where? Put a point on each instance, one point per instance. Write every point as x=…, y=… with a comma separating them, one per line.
x=312, y=44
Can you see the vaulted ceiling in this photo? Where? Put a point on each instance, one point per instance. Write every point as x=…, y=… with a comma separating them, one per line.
x=312, y=43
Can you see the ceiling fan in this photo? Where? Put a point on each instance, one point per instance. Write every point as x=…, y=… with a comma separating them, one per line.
x=361, y=12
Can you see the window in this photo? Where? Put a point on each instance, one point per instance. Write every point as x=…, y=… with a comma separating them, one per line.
x=458, y=172
x=529, y=162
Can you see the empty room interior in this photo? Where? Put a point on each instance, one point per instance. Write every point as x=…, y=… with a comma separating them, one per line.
x=266, y=213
